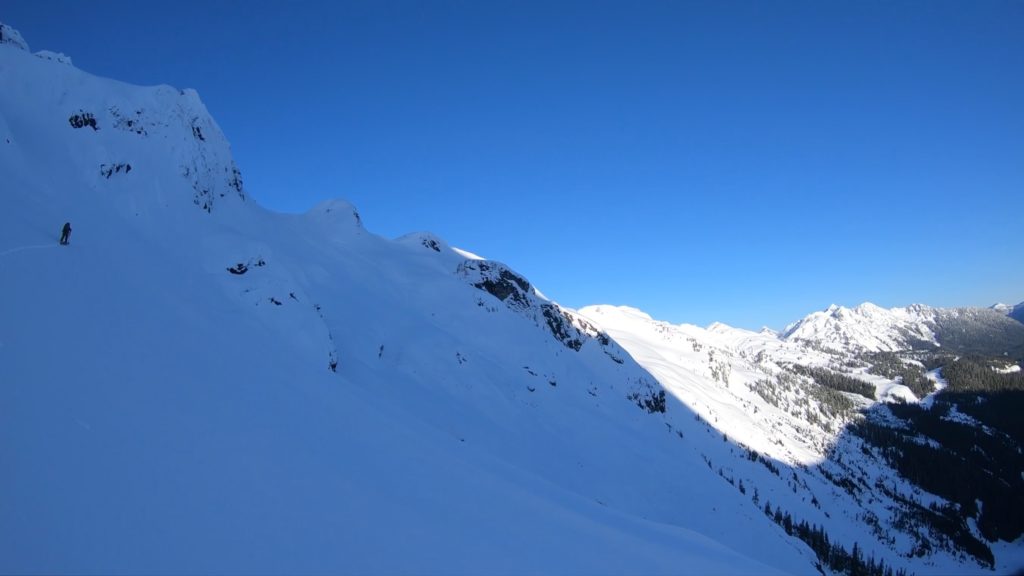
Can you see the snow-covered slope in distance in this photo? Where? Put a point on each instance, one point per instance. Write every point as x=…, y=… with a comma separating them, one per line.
x=866, y=327
x=196, y=384
x=870, y=328
x=1016, y=312
x=753, y=387
x=709, y=370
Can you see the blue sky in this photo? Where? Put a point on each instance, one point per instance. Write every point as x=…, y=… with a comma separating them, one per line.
x=746, y=162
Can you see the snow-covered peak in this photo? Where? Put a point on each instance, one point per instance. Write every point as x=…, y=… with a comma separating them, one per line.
x=620, y=317
x=918, y=309
x=58, y=57
x=866, y=327
x=435, y=247
x=11, y=37
x=719, y=327
x=426, y=240
x=153, y=154
x=871, y=328
x=870, y=309
x=608, y=312
x=1015, y=311
x=336, y=213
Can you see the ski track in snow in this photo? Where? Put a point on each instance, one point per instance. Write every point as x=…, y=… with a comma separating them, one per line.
x=33, y=247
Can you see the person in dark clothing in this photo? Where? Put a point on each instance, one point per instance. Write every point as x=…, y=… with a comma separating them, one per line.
x=65, y=234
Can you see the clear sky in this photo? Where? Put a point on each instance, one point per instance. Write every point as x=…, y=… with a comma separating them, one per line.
x=746, y=162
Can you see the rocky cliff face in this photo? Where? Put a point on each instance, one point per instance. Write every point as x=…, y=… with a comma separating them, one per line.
x=12, y=37
x=143, y=148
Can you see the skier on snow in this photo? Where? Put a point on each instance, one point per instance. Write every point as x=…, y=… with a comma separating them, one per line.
x=65, y=234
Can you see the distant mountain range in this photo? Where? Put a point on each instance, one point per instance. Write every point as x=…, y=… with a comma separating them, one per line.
x=994, y=331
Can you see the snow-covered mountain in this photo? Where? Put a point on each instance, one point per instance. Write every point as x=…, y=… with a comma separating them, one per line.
x=197, y=385
x=1015, y=312
x=837, y=419
x=870, y=328
x=866, y=327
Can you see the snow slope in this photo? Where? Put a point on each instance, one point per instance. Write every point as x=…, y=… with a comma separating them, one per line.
x=744, y=385
x=711, y=371
x=197, y=385
x=1013, y=311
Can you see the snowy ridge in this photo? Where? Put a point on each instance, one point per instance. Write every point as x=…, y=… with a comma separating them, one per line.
x=865, y=328
x=116, y=138
x=12, y=37
x=1015, y=312
x=1003, y=308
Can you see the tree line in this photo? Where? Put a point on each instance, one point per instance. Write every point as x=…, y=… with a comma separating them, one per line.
x=836, y=380
x=976, y=455
x=832, y=554
x=890, y=365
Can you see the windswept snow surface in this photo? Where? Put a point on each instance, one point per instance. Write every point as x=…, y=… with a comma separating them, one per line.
x=196, y=385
